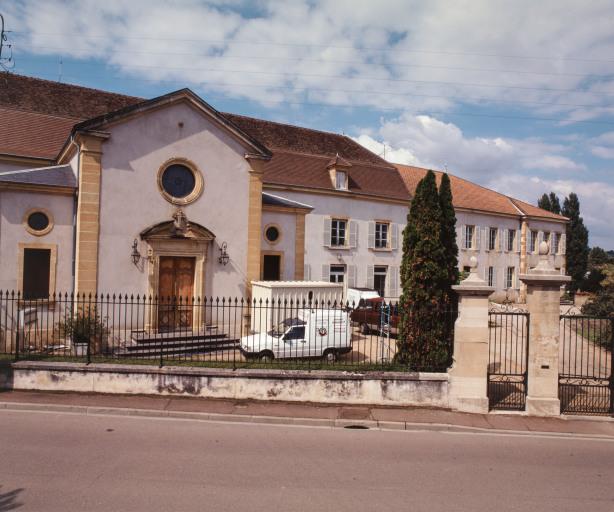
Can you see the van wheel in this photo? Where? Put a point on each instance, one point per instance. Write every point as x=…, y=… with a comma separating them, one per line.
x=330, y=355
x=364, y=328
x=266, y=356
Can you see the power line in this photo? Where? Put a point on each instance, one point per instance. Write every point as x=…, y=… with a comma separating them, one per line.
x=430, y=113
x=328, y=61
x=348, y=91
x=340, y=47
x=374, y=78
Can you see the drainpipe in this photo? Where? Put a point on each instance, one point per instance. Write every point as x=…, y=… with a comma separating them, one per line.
x=74, y=215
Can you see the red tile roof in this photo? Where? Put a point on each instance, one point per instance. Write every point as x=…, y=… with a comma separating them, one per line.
x=470, y=196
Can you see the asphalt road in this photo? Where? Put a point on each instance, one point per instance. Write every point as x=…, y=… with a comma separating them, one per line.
x=59, y=461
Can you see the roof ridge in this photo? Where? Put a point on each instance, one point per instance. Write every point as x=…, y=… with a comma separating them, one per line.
x=94, y=89
x=382, y=165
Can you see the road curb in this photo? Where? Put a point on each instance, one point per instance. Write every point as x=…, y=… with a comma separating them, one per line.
x=89, y=410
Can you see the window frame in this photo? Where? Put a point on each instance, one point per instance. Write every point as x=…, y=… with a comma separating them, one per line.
x=198, y=181
x=388, y=243
x=557, y=242
x=509, y=277
x=511, y=240
x=490, y=276
x=53, y=258
x=39, y=232
x=340, y=271
x=492, y=239
x=533, y=238
x=378, y=272
x=334, y=232
x=264, y=233
x=469, y=240
x=338, y=174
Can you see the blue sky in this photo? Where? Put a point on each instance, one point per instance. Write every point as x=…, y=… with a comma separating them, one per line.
x=517, y=96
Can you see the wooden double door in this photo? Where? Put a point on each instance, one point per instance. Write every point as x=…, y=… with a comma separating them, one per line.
x=176, y=293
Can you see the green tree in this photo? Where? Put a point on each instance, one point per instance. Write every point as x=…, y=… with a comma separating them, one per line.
x=598, y=260
x=555, y=204
x=422, y=342
x=544, y=202
x=448, y=237
x=577, y=242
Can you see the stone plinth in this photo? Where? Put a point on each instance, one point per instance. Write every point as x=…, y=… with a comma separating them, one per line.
x=469, y=373
x=543, y=285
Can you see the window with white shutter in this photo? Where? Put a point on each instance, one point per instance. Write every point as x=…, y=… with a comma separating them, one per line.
x=326, y=272
x=352, y=276
x=477, y=238
x=394, y=240
x=353, y=233
x=370, y=276
x=517, y=238
x=327, y=231
x=371, y=237
x=393, y=282
x=563, y=249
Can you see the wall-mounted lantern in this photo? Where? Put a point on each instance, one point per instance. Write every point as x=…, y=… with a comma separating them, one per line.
x=135, y=255
x=224, y=258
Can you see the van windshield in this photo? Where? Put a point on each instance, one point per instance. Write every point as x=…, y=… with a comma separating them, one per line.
x=281, y=328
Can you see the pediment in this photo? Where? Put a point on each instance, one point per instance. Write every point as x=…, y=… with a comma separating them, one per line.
x=180, y=228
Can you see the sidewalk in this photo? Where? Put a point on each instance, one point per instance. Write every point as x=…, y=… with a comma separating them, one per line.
x=302, y=413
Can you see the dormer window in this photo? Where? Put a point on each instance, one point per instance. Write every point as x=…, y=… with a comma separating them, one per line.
x=341, y=180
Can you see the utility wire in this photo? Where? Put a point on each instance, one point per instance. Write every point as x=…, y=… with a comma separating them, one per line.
x=325, y=46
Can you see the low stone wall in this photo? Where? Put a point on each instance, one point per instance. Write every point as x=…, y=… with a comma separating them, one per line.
x=373, y=388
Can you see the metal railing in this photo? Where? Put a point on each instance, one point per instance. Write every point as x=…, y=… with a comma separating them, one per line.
x=586, y=380
x=508, y=358
x=216, y=332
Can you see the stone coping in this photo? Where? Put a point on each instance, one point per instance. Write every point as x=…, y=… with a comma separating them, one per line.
x=229, y=373
x=538, y=279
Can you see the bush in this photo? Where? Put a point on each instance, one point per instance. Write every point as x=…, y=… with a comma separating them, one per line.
x=85, y=327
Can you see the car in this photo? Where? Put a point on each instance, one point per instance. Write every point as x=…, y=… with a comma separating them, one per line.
x=356, y=295
x=376, y=315
x=324, y=333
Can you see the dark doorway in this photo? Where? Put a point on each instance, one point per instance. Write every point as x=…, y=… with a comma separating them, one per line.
x=271, y=267
x=36, y=267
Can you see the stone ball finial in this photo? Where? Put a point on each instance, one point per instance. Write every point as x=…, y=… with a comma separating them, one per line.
x=473, y=262
x=544, y=248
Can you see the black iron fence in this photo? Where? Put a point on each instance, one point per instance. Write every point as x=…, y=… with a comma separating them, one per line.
x=508, y=358
x=223, y=332
x=586, y=381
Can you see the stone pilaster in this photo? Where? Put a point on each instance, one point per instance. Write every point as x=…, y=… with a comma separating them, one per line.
x=299, y=247
x=254, y=221
x=543, y=302
x=469, y=373
x=88, y=212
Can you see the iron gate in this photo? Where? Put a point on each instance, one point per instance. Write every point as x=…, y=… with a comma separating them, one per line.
x=508, y=358
x=586, y=383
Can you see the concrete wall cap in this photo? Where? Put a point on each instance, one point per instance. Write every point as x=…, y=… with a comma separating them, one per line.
x=537, y=278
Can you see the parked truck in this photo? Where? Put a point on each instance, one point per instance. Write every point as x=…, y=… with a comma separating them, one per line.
x=324, y=333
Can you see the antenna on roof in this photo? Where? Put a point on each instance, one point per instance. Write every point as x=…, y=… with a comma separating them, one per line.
x=6, y=63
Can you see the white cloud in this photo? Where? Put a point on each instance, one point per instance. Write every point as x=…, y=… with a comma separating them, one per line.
x=522, y=168
x=603, y=145
x=397, y=54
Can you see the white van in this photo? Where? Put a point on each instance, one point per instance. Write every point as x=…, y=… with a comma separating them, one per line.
x=322, y=333
x=356, y=295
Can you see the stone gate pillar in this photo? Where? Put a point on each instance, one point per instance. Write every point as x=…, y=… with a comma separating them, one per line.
x=543, y=285
x=469, y=373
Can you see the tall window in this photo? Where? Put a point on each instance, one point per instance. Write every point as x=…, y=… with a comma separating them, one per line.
x=509, y=277
x=511, y=239
x=381, y=235
x=338, y=232
x=469, y=232
x=492, y=238
x=36, y=272
x=557, y=243
x=533, y=241
x=341, y=180
x=337, y=273
x=379, y=280
x=491, y=276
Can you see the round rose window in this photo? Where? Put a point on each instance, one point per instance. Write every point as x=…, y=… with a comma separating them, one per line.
x=272, y=234
x=38, y=221
x=178, y=181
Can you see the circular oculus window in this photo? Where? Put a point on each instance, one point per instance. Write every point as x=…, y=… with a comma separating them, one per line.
x=179, y=182
x=272, y=234
x=38, y=222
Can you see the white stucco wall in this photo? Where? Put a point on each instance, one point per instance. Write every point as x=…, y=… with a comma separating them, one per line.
x=286, y=222
x=13, y=207
x=131, y=200
x=361, y=211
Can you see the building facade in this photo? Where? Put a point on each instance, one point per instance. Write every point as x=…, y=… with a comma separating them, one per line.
x=104, y=193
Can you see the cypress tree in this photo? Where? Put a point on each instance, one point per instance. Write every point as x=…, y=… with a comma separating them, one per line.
x=422, y=342
x=448, y=235
x=555, y=204
x=577, y=242
x=544, y=202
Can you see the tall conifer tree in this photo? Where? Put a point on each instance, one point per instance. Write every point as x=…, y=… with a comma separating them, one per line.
x=577, y=242
x=448, y=236
x=422, y=342
x=544, y=202
x=555, y=204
